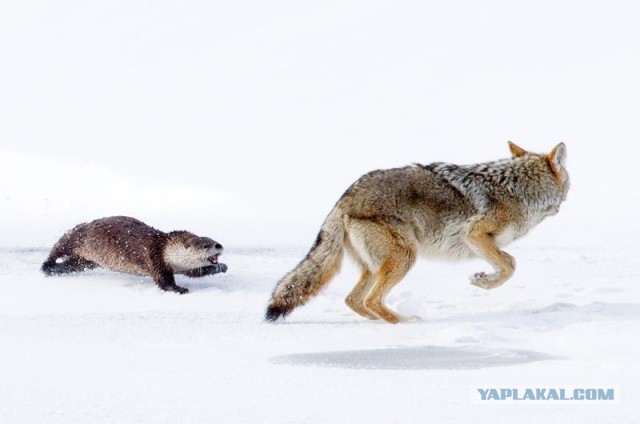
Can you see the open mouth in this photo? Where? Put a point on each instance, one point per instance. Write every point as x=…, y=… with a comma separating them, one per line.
x=213, y=259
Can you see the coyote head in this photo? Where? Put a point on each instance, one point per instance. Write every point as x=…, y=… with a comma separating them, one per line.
x=550, y=167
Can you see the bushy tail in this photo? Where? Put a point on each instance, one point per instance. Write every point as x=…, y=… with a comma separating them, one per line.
x=320, y=265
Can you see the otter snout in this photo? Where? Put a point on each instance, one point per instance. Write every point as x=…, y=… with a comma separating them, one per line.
x=214, y=249
x=208, y=244
x=216, y=246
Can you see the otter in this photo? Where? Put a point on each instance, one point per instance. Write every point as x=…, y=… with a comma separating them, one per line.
x=125, y=244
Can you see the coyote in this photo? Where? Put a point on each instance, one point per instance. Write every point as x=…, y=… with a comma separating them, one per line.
x=389, y=217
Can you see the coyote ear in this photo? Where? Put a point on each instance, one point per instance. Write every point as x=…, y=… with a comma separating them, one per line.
x=558, y=158
x=516, y=150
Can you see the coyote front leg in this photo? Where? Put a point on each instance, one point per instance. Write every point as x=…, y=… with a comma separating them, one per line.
x=482, y=242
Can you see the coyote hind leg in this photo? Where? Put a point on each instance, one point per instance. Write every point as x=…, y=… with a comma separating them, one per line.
x=388, y=255
x=355, y=299
x=391, y=272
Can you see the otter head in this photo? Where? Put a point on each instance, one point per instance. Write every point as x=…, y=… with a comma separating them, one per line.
x=185, y=251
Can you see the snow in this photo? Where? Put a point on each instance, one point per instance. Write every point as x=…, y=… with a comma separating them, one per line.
x=244, y=122
x=106, y=347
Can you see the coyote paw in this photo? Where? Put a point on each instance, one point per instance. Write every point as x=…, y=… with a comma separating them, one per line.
x=484, y=280
x=478, y=276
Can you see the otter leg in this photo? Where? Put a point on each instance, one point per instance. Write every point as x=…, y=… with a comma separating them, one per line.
x=71, y=264
x=166, y=281
x=206, y=270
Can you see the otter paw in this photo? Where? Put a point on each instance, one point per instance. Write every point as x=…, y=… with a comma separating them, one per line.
x=220, y=268
x=175, y=289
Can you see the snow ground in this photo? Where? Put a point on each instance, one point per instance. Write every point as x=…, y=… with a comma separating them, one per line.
x=105, y=347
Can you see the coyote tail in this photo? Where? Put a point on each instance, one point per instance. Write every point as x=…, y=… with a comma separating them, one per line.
x=320, y=265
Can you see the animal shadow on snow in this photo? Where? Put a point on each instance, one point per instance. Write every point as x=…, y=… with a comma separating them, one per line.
x=415, y=358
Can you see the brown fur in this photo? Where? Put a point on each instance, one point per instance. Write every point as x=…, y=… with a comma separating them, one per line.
x=387, y=218
x=128, y=245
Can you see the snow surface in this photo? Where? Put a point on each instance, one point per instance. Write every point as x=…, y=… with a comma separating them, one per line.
x=244, y=121
x=106, y=347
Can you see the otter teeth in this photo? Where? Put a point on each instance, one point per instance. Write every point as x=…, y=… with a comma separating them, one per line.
x=213, y=259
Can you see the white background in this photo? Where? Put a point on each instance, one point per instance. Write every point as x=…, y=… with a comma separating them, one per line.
x=246, y=120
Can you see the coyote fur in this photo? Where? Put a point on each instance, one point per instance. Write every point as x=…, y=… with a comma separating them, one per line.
x=389, y=217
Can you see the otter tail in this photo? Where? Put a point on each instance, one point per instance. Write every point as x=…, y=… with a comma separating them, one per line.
x=49, y=267
x=314, y=272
